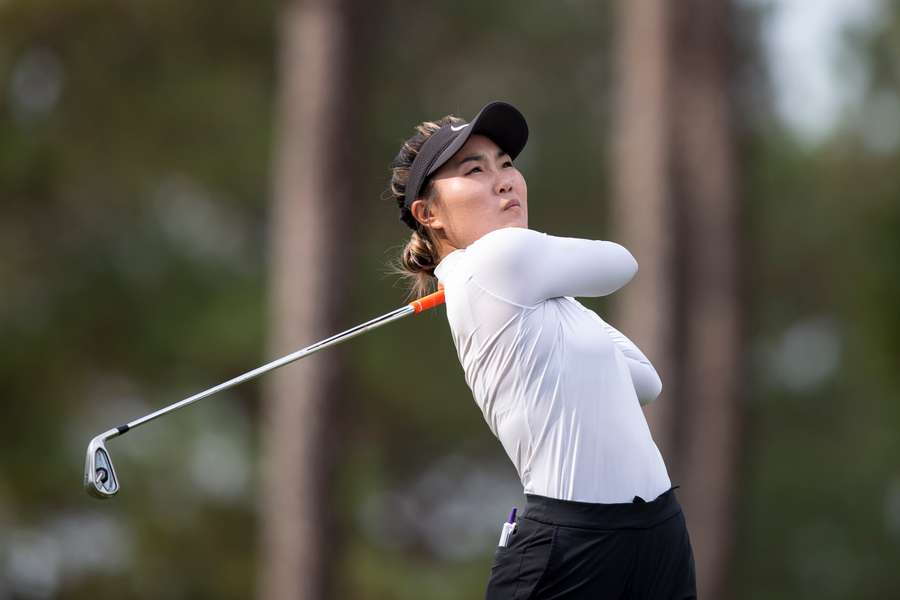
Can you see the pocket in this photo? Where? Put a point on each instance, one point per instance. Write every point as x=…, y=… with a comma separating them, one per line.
x=518, y=568
x=502, y=562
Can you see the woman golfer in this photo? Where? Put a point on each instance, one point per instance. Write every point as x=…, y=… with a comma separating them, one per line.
x=560, y=388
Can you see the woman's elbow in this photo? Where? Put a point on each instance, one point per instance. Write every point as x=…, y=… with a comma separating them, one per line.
x=627, y=267
x=631, y=265
x=650, y=391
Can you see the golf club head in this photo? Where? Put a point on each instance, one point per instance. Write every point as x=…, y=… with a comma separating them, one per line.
x=100, y=479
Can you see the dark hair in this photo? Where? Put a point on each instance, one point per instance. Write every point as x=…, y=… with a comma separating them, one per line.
x=420, y=256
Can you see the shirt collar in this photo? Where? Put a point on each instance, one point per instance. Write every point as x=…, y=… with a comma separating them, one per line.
x=446, y=265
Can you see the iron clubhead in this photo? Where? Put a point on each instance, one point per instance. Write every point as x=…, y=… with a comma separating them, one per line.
x=100, y=479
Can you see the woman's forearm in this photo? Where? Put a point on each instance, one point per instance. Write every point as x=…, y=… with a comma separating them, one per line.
x=644, y=377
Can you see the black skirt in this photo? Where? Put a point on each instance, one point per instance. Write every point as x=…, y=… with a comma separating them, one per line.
x=572, y=550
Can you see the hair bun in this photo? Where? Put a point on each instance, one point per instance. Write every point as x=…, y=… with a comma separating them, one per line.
x=419, y=255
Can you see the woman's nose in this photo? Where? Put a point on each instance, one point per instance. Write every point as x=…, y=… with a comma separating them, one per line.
x=504, y=184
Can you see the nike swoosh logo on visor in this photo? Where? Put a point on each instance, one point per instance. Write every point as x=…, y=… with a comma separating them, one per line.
x=458, y=128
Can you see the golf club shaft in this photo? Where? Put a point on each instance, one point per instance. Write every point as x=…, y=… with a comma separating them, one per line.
x=415, y=307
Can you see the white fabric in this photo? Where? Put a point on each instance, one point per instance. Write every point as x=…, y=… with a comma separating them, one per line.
x=559, y=387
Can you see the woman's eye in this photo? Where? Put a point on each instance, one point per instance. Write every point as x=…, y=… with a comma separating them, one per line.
x=474, y=169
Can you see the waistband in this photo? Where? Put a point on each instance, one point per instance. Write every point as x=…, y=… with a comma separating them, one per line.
x=589, y=515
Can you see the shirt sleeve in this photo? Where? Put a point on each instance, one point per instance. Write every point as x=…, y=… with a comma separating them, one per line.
x=526, y=267
x=644, y=377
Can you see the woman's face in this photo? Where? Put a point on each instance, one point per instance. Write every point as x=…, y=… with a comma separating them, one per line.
x=477, y=191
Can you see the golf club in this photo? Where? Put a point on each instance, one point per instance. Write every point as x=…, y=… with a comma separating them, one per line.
x=100, y=478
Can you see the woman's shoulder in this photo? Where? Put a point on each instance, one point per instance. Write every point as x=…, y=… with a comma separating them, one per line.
x=504, y=245
x=499, y=261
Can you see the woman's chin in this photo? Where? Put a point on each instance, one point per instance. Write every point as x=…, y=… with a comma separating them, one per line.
x=523, y=223
x=516, y=217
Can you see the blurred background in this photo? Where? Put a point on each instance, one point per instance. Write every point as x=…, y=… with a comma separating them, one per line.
x=191, y=189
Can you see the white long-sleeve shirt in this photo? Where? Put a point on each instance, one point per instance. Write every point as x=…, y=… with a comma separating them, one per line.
x=560, y=388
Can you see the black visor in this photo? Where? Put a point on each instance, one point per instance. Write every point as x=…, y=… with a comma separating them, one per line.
x=499, y=121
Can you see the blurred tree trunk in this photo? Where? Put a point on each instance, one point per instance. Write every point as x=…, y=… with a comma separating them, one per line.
x=677, y=207
x=710, y=346
x=309, y=253
x=641, y=205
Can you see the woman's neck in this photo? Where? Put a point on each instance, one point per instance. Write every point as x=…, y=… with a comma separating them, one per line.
x=444, y=248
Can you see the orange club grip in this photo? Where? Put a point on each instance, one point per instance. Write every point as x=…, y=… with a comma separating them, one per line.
x=429, y=301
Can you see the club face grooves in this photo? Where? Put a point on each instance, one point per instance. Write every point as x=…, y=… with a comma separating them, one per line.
x=100, y=479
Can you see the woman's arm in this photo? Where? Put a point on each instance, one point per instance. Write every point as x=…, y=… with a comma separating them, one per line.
x=527, y=267
x=646, y=381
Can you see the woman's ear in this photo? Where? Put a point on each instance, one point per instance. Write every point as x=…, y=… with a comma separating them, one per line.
x=425, y=214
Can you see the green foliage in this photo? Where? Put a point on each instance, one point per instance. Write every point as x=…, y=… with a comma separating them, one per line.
x=133, y=196
x=820, y=516
x=134, y=174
